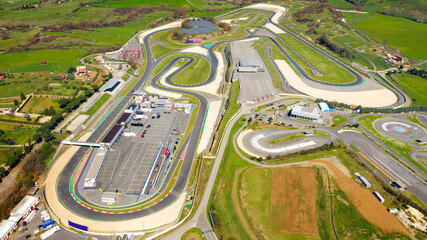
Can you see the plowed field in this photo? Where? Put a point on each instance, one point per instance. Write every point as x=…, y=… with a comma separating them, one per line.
x=293, y=201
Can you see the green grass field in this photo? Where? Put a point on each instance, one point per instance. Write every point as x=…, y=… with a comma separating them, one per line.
x=57, y=60
x=6, y=152
x=38, y=104
x=233, y=108
x=297, y=136
x=132, y=3
x=18, y=133
x=39, y=83
x=195, y=73
x=260, y=46
x=414, y=119
x=98, y=104
x=159, y=50
x=340, y=4
x=405, y=35
x=332, y=72
x=17, y=119
x=414, y=86
x=165, y=38
x=338, y=120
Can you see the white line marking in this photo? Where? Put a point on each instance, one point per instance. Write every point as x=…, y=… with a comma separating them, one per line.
x=384, y=125
x=392, y=171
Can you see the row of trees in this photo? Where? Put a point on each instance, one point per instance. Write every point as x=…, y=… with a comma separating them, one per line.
x=418, y=72
x=32, y=169
x=343, y=52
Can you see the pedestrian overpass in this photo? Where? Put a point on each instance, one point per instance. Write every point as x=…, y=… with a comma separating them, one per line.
x=82, y=144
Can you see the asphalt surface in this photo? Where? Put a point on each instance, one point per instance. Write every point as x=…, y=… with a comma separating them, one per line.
x=392, y=167
x=257, y=142
x=65, y=177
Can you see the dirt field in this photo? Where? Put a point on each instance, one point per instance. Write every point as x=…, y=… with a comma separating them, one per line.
x=365, y=202
x=293, y=201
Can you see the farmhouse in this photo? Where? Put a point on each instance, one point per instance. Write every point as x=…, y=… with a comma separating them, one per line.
x=6, y=110
x=80, y=71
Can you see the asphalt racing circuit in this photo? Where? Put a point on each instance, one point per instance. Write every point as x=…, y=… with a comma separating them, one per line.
x=74, y=208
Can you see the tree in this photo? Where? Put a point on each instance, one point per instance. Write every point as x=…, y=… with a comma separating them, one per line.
x=23, y=96
x=49, y=111
x=15, y=102
x=71, y=70
x=95, y=87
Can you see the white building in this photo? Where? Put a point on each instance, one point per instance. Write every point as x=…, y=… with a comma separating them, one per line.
x=307, y=113
x=248, y=64
x=24, y=207
x=185, y=106
x=392, y=210
x=324, y=107
x=6, y=229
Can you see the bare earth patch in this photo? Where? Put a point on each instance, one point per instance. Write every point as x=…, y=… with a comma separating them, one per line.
x=293, y=201
x=365, y=202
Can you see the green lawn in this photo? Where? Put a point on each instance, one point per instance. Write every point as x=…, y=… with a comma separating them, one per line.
x=338, y=120
x=132, y=3
x=260, y=46
x=405, y=35
x=342, y=4
x=297, y=136
x=30, y=61
x=414, y=86
x=193, y=234
x=18, y=133
x=165, y=38
x=414, y=119
x=113, y=35
x=233, y=108
x=17, y=119
x=6, y=153
x=332, y=72
x=195, y=73
x=98, y=104
x=158, y=51
x=38, y=104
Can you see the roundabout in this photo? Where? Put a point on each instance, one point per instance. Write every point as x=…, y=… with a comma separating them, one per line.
x=399, y=129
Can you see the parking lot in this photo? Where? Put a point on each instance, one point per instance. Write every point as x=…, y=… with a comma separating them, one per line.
x=127, y=165
x=254, y=87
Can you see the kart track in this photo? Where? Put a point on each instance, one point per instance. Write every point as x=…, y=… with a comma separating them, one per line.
x=69, y=205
